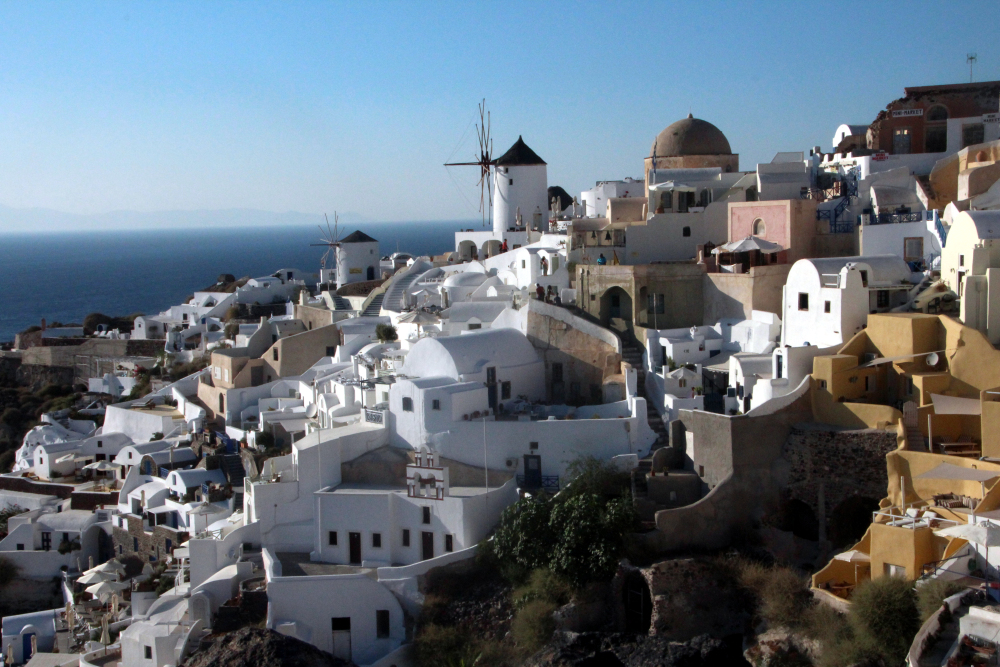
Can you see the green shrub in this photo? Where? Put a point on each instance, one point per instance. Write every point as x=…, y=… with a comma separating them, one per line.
x=264, y=440
x=533, y=625
x=931, y=595
x=543, y=584
x=884, y=618
x=591, y=475
x=590, y=537
x=523, y=540
x=8, y=572
x=386, y=333
x=439, y=645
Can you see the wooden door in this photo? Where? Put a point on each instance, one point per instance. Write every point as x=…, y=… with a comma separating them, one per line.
x=532, y=471
x=355, y=544
x=427, y=545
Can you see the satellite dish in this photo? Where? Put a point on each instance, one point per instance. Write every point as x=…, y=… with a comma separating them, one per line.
x=932, y=359
x=311, y=411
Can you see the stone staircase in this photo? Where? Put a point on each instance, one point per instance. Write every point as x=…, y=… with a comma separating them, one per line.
x=395, y=295
x=633, y=356
x=339, y=302
x=374, y=306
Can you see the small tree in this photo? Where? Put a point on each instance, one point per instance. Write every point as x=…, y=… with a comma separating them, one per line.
x=8, y=572
x=523, y=540
x=590, y=537
x=156, y=436
x=386, y=333
x=884, y=617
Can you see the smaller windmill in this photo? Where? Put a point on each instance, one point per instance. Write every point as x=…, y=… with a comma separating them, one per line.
x=331, y=240
x=484, y=161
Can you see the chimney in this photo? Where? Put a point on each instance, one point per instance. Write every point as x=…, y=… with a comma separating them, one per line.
x=43, y=324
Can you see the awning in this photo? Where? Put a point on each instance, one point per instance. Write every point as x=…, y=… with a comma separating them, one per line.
x=748, y=244
x=949, y=471
x=291, y=425
x=955, y=405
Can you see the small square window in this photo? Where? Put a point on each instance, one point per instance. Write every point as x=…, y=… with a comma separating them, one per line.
x=449, y=543
x=331, y=350
x=407, y=404
x=427, y=514
x=406, y=537
x=376, y=540
x=274, y=353
x=686, y=231
x=332, y=538
x=382, y=623
x=510, y=181
x=826, y=306
x=20, y=547
x=436, y=404
x=961, y=260
x=822, y=384
x=532, y=446
x=100, y=443
x=504, y=390
x=148, y=652
x=803, y=301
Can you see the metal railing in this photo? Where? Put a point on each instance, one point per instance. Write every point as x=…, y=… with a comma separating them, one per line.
x=550, y=483
x=374, y=416
x=891, y=218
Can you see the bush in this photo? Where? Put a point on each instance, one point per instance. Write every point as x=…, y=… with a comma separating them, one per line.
x=591, y=475
x=440, y=645
x=386, y=333
x=543, y=584
x=11, y=417
x=8, y=571
x=784, y=598
x=590, y=537
x=884, y=618
x=265, y=440
x=533, y=625
x=523, y=540
x=931, y=595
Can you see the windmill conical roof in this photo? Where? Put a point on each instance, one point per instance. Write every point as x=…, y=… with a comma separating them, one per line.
x=518, y=154
x=358, y=237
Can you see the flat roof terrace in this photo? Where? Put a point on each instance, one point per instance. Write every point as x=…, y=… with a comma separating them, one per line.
x=361, y=489
x=295, y=564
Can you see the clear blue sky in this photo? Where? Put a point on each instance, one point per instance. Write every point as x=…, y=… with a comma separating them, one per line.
x=316, y=106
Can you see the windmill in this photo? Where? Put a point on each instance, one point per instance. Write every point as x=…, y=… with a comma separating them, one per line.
x=484, y=161
x=331, y=239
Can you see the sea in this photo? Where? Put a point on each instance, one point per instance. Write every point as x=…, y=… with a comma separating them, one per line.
x=64, y=276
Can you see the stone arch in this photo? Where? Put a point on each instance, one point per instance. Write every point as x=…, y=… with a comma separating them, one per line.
x=759, y=228
x=467, y=250
x=850, y=519
x=798, y=518
x=616, y=303
x=638, y=602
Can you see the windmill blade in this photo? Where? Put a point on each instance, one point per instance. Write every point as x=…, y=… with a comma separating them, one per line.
x=336, y=226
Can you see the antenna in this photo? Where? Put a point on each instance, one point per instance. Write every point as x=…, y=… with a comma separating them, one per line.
x=971, y=58
x=484, y=161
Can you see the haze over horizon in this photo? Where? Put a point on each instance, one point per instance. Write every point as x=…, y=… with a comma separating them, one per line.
x=133, y=109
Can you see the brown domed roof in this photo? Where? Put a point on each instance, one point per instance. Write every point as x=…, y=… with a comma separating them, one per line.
x=690, y=136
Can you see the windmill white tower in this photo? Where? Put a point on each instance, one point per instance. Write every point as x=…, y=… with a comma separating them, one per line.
x=520, y=183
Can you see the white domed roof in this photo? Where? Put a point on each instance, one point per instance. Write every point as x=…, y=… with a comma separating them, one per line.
x=465, y=279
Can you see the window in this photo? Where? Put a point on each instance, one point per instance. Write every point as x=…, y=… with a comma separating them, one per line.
x=46, y=541
x=523, y=265
x=427, y=514
x=682, y=383
x=972, y=134
x=510, y=181
x=100, y=457
x=407, y=404
x=961, y=260
x=758, y=228
x=938, y=112
x=655, y=304
x=20, y=547
x=869, y=385
x=100, y=444
x=882, y=298
x=701, y=471
x=332, y=538
x=449, y=544
x=135, y=544
x=342, y=624
x=274, y=353
x=864, y=278
x=532, y=446
x=936, y=139
x=505, y=390
x=376, y=540
x=803, y=301
x=406, y=537
x=148, y=652
x=913, y=249
x=686, y=231
x=557, y=372
x=381, y=623
x=475, y=325
x=436, y=404
x=826, y=306
x=331, y=350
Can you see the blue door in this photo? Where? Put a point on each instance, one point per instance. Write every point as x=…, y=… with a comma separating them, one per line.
x=26, y=646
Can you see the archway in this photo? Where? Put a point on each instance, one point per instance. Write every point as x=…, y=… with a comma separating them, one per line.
x=467, y=250
x=850, y=519
x=616, y=303
x=800, y=520
x=638, y=603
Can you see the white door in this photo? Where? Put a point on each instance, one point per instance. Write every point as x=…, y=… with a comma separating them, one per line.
x=342, y=644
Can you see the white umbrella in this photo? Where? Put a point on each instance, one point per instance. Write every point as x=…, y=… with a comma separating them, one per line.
x=205, y=508
x=105, y=588
x=854, y=556
x=114, y=606
x=105, y=633
x=748, y=244
x=109, y=566
x=102, y=466
x=419, y=317
x=985, y=534
x=96, y=578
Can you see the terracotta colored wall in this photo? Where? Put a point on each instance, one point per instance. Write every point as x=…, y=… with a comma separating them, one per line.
x=774, y=214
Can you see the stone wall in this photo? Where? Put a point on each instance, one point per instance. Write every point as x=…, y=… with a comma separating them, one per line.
x=35, y=377
x=150, y=544
x=587, y=361
x=830, y=466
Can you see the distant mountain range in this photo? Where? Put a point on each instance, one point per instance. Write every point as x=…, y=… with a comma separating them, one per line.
x=41, y=220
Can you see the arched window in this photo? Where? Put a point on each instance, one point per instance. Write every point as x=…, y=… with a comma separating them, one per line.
x=758, y=228
x=937, y=112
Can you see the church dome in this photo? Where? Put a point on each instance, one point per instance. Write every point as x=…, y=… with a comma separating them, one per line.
x=690, y=136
